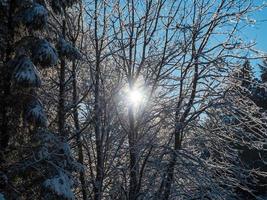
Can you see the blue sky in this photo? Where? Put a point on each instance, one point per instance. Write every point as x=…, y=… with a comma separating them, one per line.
x=258, y=32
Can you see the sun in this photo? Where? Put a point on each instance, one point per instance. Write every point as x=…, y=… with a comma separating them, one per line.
x=134, y=96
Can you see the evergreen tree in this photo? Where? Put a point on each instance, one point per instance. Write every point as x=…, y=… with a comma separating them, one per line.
x=20, y=76
x=35, y=163
x=248, y=130
x=263, y=68
x=246, y=74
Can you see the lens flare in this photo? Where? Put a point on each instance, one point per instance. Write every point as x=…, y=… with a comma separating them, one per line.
x=135, y=97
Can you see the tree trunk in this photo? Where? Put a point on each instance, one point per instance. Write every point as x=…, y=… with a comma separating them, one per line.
x=170, y=171
x=97, y=114
x=134, y=165
x=178, y=132
x=61, y=104
x=75, y=98
x=97, y=111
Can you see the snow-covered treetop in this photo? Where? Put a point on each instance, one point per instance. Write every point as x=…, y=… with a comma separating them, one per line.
x=25, y=73
x=61, y=185
x=68, y=50
x=35, y=114
x=53, y=149
x=2, y=196
x=35, y=16
x=3, y=3
x=44, y=53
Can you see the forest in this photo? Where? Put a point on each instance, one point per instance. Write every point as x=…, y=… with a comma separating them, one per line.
x=132, y=100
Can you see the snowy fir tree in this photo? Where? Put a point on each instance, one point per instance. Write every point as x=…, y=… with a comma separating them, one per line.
x=263, y=68
x=24, y=52
x=242, y=118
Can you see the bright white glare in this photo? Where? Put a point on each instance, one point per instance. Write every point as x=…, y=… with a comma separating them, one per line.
x=135, y=97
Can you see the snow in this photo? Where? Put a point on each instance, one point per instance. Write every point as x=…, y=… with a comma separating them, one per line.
x=71, y=162
x=35, y=17
x=67, y=49
x=36, y=114
x=53, y=146
x=43, y=153
x=25, y=73
x=3, y=3
x=60, y=185
x=2, y=196
x=45, y=54
x=66, y=148
x=47, y=139
x=55, y=151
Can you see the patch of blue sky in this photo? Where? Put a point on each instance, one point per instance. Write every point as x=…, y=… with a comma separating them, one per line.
x=257, y=32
